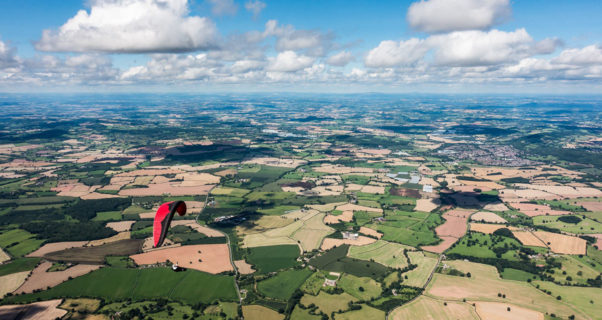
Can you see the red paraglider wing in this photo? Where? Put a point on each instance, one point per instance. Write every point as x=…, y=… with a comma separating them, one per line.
x=163, y=220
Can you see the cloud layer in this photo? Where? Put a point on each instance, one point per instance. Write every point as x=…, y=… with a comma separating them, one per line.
x=460, y=48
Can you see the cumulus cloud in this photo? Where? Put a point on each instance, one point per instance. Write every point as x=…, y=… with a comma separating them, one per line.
x=289, y=61
x=455, y=15
x=8, y=57
x=585, y=56
x=340, y=59
x=132, y=26
x=313, y=42
x=255, y=7
x=393, y=53
x=243, y=66
x=461, y=48
x=473, y=48
x=223, y=7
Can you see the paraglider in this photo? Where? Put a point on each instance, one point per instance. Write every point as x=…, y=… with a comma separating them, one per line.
x=163, y=219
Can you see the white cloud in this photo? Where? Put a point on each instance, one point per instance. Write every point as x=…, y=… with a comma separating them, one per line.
x=223, y=7
x=289, y=61
x=456, y=15
x=392, y=53
x=313, y=42
x=474, y=48
x=8, y=58
x=460, y=48
x=132, y=26
x=255, y=7
x=585, y=56
x=340, y=59
x=244, y=66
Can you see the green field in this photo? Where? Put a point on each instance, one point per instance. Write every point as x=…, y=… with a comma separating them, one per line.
x=335, y=260
x=303, y=314
x=19, y=242
x=586, y=225
x=366, y=312
x=282, y=285
x=233, y=192
x=587, y=300
x=176, y=310
x=134, y=210
x=18, y=265
x=278, y=210
x=410, y=229
x=328, y=303
x=363, y=288
x=386, y=253
x=573, y=271
x=425, y=265
x=114, y=284
x=515, y=274
x=314, y=283
x=107, y=216
x=273, y=258
x=481, y=245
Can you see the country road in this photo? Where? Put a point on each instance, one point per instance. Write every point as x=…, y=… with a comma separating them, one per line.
x=227, y=242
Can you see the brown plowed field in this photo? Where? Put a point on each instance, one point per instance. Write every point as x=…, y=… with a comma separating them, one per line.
x=33, y=311
x=56, y=246
x=331, y=243
x=593, y=206
x=371, y=232
x=533, y=210
x=243, y=267
x=40, y=279
x=454, y=228
x=211, y=258
x=97, y=254
x=447, y=242
x=560, y=243
x=120, y=226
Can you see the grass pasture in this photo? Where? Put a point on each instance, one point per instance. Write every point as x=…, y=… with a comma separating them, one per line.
x=363, y=288
x=585, y=226
x=107, y=216
x=573, y=271
x=515, y=274
x=412, y=229
x=483, y=245
x=233, y=192
x=273, y=258
x=282, y=285
x=366, y=312
x=335, y=260
x=303, y=314
x=328, y=303
x=578, y=297
x=386, y=253
x=278, y=210
x=18, y=265
x=255, y=312
x=19, y=242
x=314, y=283
x=113, y=284
x=418, y=277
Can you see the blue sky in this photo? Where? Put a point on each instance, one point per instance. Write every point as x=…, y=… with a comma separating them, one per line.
x=261, y=45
